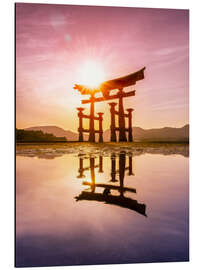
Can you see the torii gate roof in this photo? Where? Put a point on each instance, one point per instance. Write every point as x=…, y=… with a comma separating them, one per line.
x=117, y=83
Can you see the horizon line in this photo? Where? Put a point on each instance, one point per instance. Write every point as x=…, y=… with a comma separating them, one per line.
x=75, y=131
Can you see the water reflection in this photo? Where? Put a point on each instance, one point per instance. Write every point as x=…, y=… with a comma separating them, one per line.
x=105, y=194
x=90, y=207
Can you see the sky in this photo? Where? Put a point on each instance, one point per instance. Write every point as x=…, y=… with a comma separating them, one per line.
x=54, y=43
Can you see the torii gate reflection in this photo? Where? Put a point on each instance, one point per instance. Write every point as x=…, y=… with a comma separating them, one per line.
x=106, y=196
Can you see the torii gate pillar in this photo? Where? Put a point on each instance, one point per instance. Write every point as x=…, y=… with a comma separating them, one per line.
x=80, y=129
x=130, y=131
x=91, y=126
x=113, y=124
x=100, y=127
x=121, y=118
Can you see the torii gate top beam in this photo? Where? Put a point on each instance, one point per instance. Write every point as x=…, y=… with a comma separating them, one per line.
x=117, y=83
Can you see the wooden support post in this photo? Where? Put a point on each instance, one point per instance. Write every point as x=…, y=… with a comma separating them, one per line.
x=81, y=170
x=122, y=158
x=121, y=118
x=92, y=174
x=113, y=168
x=80, y=129
x=130, y=172
x=113, y=123
x=130, y=131
x=91, y=125
x=100, y=127
x=100, y=164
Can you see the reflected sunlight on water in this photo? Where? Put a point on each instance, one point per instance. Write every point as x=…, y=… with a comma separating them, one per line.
x=91, y=209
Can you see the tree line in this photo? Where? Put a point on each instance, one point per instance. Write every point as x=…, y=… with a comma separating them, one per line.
x=36, y=136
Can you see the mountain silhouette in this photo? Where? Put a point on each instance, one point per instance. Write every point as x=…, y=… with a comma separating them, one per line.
x=57, y=131
x=169, y=134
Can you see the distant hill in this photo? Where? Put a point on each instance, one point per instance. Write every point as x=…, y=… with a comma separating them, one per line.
x=57, y=131
x=139, y=134
x=36, y=136
x=157, y=134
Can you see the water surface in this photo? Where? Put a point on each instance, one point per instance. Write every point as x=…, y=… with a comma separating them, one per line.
x=101, y=207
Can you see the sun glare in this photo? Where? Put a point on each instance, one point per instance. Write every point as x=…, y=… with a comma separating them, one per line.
x=91, y=74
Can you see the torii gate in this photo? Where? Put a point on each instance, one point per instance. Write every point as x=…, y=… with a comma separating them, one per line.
x=105, y=88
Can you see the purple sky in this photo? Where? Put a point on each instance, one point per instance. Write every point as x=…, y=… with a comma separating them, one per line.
x=53, y=42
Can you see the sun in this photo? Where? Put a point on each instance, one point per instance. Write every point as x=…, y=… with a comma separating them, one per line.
x=91, y=74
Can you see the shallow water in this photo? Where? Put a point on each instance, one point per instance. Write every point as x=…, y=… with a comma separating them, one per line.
x=101, y=207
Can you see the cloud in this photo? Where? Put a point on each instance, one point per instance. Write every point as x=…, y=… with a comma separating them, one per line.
x=171, y=104
x=172, y=50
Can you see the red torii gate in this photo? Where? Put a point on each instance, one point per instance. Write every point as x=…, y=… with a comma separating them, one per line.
x=105, y=88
